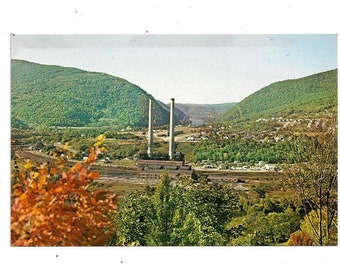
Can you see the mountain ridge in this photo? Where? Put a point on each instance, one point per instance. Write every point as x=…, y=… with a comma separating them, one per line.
x=52, y=95
x=310, y=94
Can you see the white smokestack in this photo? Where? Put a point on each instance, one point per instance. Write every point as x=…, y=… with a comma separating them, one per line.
x=150, y=135
x=172, y=130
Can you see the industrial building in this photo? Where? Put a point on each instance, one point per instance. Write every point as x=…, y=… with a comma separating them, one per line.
x=152, y=168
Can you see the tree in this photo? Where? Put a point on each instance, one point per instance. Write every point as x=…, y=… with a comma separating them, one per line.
x=187, y=230
x=300, y=238
x=133, y=219
x=314, y=180
x=311, y=226
x=163, y=214
x=258, y=229
x=54, y=206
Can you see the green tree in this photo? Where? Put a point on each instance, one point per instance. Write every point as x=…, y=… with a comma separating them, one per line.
x=135, y=212
x=163, y=214
x=312, y=227
x=255, y=228
x=187, y=231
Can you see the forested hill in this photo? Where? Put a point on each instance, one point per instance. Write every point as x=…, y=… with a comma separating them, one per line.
x=178, y=114
x=45, y=95
x=312, y=94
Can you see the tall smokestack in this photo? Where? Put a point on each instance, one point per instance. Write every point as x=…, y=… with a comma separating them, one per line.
x=150, y=138
x=172, y=130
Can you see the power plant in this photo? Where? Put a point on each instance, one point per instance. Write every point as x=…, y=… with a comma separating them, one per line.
x=152, y=168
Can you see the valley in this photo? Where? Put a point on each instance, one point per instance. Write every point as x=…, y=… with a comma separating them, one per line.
x=223, y=163
x=236, y=174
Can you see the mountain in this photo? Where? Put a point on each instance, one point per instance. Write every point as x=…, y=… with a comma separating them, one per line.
x=312, y=94
x=203, y=113
x=178, y=114
x=47, y=95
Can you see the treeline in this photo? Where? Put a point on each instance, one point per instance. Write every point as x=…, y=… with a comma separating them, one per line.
x=48, y=135
x=250, y=150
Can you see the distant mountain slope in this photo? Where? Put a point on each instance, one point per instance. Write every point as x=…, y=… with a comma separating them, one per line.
x=44, y=95
x=203, y=113
x=311, y=94
x=180, y=117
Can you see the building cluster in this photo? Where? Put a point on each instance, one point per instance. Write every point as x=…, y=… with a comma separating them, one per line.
x=153, y=169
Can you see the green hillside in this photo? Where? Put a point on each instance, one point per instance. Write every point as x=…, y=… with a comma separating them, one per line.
x=44, y=95
x=313, y=94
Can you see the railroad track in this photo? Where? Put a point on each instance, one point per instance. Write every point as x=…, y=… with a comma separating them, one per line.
x=105, y=170
x=33, y=156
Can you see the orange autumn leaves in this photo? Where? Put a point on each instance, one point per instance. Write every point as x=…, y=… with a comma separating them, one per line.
x=53, y=206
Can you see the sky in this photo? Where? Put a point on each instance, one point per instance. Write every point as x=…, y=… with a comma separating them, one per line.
x=202, y=69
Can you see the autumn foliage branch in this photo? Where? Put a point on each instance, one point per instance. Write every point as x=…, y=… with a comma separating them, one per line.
x=53, y=205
